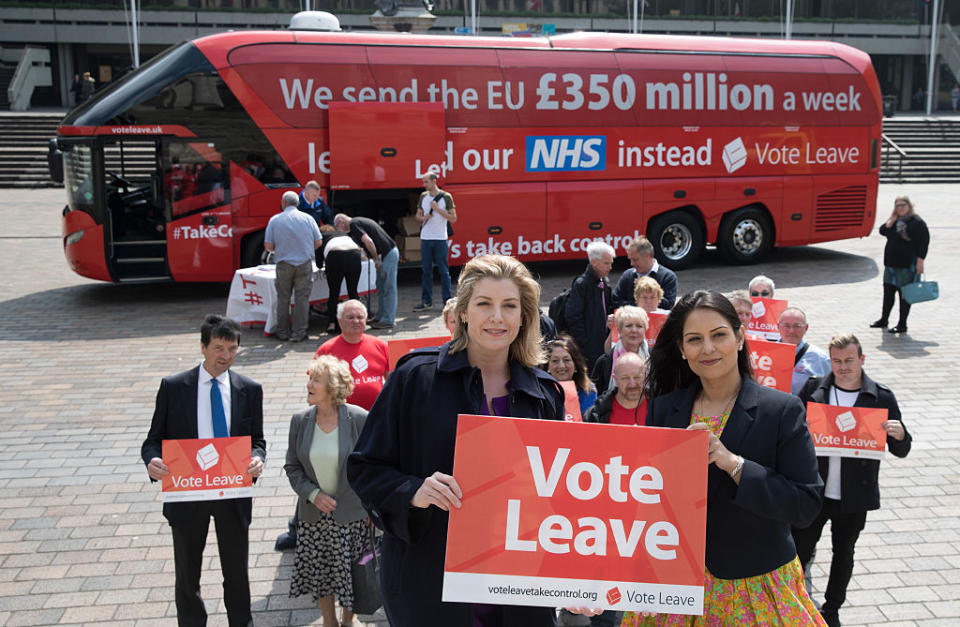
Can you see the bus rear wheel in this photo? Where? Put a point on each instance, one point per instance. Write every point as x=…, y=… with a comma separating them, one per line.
x=745, y=236
x=677, y=239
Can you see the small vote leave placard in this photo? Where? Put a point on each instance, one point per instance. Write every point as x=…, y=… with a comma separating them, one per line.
x=398, y=348
x=561, y=514
x=765, y=317
x=772, y=363
x=657, y=318
x=847, y=431
x=571, y=402
x=206, y=469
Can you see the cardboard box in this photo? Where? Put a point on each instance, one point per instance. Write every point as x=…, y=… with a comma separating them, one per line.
x=409, y=226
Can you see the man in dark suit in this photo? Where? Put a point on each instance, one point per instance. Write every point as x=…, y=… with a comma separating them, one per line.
x=206, y=402
x=851, y=486
x=643, y=263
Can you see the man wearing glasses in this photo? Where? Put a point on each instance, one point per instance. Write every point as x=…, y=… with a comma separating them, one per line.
x=809, y=360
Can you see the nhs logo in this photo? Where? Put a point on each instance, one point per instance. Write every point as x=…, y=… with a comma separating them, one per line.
x=566, y=153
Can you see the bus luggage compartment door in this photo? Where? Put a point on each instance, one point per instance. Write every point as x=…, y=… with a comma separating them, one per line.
x=381, y=145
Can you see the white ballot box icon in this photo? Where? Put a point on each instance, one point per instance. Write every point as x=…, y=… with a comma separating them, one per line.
x=846, y=421
x=734, y=155
x=758, y=310
x=208, y=457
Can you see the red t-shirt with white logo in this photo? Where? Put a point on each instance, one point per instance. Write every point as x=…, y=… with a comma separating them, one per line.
x=368, y=364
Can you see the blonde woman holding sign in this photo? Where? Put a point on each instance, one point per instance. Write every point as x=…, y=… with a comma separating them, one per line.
x=402, y=465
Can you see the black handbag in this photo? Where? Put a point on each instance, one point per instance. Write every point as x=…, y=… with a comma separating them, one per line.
x=365, y=572
x=436, y=199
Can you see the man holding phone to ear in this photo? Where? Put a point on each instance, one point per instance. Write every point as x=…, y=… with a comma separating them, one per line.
x=435, y=212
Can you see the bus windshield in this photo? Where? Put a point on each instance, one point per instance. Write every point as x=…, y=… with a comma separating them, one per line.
x=78, y=178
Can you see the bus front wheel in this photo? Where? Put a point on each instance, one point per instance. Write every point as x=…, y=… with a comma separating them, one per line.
x=677, y=239
x=745, y=236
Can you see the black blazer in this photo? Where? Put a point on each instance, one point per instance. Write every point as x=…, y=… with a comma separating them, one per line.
x=748, y=526
x=175, y=418
x=859, y=478
x=409, y=435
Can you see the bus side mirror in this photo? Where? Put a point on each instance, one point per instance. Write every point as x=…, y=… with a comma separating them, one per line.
x=55, y=161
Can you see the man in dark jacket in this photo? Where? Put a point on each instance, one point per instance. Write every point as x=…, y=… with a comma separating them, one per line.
x=643, y=263
x=311, y=204
x=623, y=404
x=851, y=486
x=590, y=302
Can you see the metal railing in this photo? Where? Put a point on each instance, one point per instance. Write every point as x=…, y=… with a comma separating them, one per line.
x=33, y=71
x=901, y=155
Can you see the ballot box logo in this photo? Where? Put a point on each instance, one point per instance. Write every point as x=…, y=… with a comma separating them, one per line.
x=758, y=310
x=208, y=457
x=613, y=595
x=360, y=364
x=734, y=155
x=846, y=421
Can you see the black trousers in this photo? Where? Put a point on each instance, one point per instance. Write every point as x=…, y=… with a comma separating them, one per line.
x=189, y=541
x=339, y=265
x=889, y=292
x=845, y=529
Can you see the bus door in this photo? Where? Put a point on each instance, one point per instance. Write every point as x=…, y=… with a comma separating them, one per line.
x=195, y=184
x=134, y=233
x=383, y=145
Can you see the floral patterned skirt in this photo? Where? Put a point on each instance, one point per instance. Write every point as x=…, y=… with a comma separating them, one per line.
x=321, y=564
x=774, y=598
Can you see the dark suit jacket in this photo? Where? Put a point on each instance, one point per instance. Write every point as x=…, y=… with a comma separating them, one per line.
x=303, y=479
x=588, y=305
x=859, y=478
x=748, y=526
x=623, y=292
x=175, y=418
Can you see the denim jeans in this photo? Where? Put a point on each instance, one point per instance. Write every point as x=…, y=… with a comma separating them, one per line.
x=434, y=251
x=387, y=287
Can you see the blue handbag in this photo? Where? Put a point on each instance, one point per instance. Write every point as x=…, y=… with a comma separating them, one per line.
x=920, y=291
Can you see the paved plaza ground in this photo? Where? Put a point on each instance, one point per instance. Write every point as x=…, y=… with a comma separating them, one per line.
x=82, y=539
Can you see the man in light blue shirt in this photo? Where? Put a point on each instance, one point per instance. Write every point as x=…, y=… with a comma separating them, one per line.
x=809, y=360
x=293, y=237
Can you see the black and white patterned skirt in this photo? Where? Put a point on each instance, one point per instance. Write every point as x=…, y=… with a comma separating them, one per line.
x=321, y=564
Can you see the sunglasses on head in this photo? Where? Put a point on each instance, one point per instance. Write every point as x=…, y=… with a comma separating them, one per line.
x=763, y=294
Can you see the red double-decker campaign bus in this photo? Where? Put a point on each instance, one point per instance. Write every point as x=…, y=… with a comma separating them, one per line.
x=546, y=144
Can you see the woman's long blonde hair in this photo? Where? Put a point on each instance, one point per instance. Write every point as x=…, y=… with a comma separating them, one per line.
x=907, y=200
x=525, y=348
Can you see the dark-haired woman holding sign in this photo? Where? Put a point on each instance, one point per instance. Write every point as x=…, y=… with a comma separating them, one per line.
x=763, y=471
x=403, y=462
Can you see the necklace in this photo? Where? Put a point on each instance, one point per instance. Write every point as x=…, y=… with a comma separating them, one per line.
x=728, y=406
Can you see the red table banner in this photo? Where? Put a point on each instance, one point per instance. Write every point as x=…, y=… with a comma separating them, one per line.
x=847, y=431
x=398, y=348
x=571, y=402
x=574, y=514
x=765, y=317
x=772, y=363
x=207, y=469
x=657, y=318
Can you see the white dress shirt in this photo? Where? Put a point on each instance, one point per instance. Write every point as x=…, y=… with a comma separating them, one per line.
x=838, y=398
x=204, y=413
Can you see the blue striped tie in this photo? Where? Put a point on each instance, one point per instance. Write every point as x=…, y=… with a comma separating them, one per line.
x=216, y=410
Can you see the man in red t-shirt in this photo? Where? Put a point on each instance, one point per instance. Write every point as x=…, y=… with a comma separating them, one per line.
x=366, y=354
x=623, y=404
x=367, y=357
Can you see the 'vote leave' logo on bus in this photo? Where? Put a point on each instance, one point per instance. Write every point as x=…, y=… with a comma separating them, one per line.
x=566, y=153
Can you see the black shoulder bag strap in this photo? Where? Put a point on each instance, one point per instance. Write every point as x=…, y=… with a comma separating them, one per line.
x=436, y=199
x=803, y=351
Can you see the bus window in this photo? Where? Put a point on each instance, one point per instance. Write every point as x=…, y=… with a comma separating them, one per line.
x=194, y=176
x=78, y=179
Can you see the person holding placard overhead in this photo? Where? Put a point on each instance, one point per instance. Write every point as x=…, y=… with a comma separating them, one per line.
x=851, y=486
x=401, y=467
x=763, y=471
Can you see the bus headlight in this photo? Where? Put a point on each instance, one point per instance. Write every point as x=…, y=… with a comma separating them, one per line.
x=73, y=238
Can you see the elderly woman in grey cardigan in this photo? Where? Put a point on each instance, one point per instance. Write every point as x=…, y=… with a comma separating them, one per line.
x=330, y=531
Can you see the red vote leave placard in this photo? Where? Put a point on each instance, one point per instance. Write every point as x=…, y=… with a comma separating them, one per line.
x=772, y=363
x=657, y=318
x=571, y=402
x=206, y=469
x=847, y=431
x=765, y=317
x=398, y=348
x=578, y=514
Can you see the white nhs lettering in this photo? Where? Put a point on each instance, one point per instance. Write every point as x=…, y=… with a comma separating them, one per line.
x=566, y=153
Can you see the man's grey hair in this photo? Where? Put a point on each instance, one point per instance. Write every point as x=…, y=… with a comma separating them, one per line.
x=312, y=185
x=795, y=309
x=597, y=248
x=352, y=301
x=290, y=199
x=761, y=279
x=641, y=245
x=341, y=217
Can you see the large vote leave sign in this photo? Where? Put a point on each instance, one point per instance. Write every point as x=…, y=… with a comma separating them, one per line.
x=847, y=431
x=206, y=469
x=574, y=514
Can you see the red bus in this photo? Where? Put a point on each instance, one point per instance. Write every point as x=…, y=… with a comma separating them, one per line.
x=545, y=143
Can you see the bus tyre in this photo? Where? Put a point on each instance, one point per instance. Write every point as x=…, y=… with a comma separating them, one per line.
x=253, y=253
x=745, y=236
x=677, y=239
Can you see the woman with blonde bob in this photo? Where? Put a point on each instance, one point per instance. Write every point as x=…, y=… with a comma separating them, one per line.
x=403, y=463
x=632, y=323
x=331, y=528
